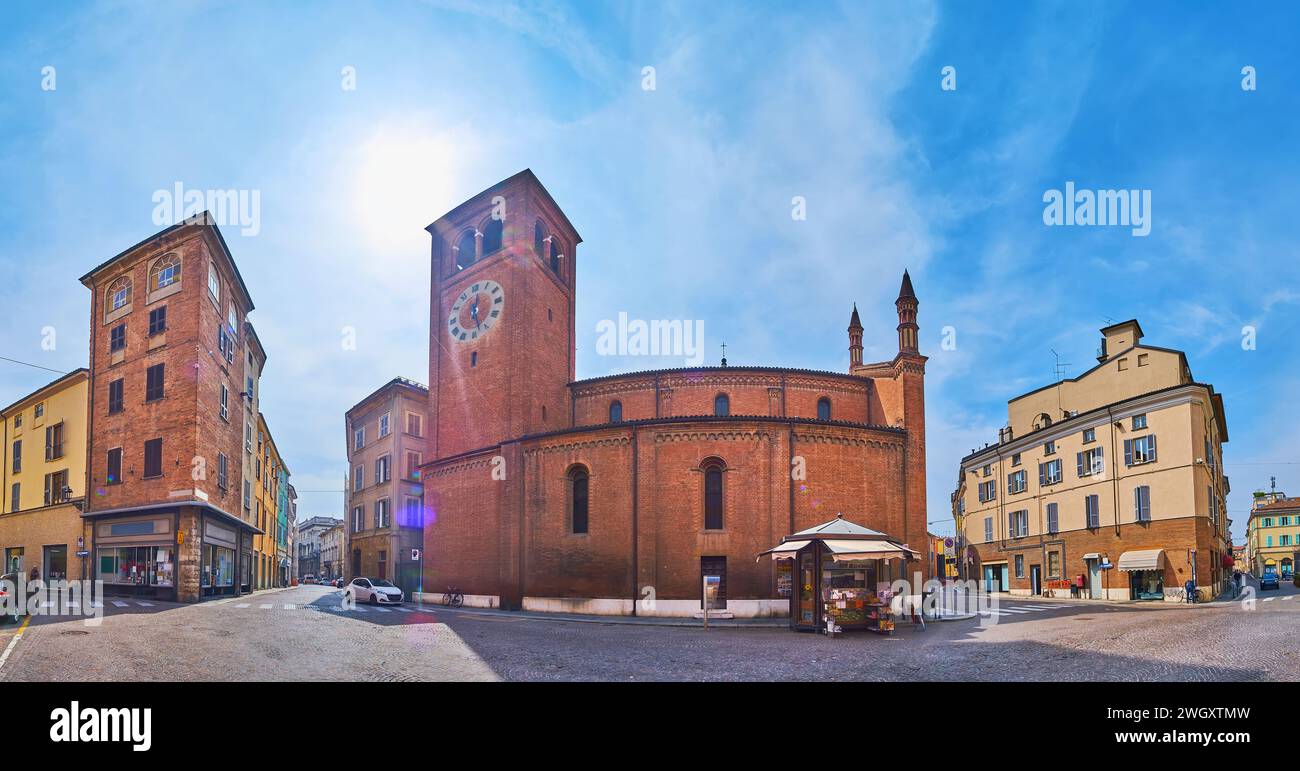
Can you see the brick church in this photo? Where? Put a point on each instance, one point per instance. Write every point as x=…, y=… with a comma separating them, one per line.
x=616, y=494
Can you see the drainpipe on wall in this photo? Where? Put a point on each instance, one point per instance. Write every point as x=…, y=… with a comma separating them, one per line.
x=1002, y=514
x=4, y=473
x=636, y=578
x=1114, y=464
x=789, y=478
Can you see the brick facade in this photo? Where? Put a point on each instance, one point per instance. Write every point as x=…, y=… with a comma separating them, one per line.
x=511, y=426
x=188, y=417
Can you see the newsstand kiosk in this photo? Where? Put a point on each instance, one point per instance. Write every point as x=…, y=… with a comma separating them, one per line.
x=842, y=571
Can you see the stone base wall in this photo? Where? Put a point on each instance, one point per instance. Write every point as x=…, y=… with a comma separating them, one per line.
x=189, y=564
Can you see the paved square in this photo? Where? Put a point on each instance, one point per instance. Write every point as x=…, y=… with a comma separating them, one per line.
x=306, y=634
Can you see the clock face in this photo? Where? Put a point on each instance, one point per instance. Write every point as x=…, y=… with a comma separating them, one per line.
x=476, y=311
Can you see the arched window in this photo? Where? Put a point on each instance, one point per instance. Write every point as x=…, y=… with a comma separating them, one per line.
x=493, y=236
x=721, y=405
x=166, y=271
x=616, y=411
x=823, y=409
x=214, y=282
x=465, y=250
x=713, y=468
x=555, y=257
x=538, y=240
x=579, y=503
x=119, y=294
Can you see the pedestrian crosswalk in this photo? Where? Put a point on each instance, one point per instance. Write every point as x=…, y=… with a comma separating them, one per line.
x=129, y=603
x=1020, y=610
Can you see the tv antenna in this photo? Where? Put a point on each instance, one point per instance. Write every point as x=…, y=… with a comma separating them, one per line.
x=1060, y=366
x=1059, y=371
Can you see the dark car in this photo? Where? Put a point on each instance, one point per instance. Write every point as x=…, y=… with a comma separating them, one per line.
x=1268, y=581
x=8, y=603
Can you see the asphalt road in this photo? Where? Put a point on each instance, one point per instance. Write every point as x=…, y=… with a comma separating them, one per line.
x=304, y=634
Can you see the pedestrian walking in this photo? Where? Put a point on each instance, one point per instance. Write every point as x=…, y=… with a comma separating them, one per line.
x=1189, y=591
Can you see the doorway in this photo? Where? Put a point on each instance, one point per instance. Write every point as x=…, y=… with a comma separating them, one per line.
x=56, y=563
x=714, y=566
x=1036, y=579
x=1094, y=579
x=805, y=592
x=995, y=578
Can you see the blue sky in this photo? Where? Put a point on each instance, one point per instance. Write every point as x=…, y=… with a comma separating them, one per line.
x=683, y=193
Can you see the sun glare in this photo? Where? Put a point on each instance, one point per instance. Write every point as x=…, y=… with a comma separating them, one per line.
x=405, y=179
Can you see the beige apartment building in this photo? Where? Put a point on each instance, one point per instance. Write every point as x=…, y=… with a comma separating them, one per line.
x=1273, y=535
x=385, y=494
x=43, y=482
x=1115, y=476
x=332, y=545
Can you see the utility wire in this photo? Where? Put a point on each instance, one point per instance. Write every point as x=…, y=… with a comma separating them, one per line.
x=36, y=366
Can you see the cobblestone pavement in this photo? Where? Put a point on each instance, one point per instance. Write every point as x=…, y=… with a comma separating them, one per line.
x=304, y=635
x=278, y=635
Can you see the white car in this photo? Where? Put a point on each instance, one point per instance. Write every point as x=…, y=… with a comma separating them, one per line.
x=375, y=591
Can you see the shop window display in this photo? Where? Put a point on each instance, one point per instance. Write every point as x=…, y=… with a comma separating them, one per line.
x=137, y=566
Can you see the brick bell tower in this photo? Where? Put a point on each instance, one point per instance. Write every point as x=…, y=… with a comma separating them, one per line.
x=855, y=339
x=906, y=305
x=501, y=334
x=909, y=370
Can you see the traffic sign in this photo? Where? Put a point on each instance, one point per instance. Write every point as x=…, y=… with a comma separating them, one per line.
x=415, y=555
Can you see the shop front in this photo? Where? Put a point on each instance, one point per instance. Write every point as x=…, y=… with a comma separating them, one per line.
x=842, y=572
x=136, y=556
x=1146, y=573
x=217, y=572
x=181, y=553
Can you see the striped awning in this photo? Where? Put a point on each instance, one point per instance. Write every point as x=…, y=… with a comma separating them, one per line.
x=1146, y=559
x=786, y=550
x=844, y=550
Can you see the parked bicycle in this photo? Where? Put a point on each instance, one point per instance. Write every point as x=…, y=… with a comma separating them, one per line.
x=453, y=597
